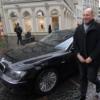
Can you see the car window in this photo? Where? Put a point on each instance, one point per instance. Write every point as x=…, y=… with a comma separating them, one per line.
x=65, y=45
x=57, y=37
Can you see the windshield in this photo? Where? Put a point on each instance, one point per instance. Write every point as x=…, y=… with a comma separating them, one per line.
x=57, y=37
x=65, y=45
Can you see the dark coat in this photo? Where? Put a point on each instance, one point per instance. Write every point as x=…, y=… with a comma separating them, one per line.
x=88, y=43
x=18, y=31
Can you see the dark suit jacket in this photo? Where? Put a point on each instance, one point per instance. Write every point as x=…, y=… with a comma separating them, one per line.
x=18, y=31
x=88, y=44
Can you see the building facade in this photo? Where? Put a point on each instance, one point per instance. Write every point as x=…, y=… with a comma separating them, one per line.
x=1, y=20
x=36, y=15
x=78, y=12
x=91, y=3
x=82, y=4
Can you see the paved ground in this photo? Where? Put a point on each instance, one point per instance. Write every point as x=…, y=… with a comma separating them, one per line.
x=68, y=90
x=65, y=91
x=12, y=41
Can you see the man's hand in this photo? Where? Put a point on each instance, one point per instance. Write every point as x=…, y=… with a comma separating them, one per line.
x=80, y=58
x=88, y=60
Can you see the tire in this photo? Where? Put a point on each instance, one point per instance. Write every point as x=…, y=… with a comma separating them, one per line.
x=46, y=82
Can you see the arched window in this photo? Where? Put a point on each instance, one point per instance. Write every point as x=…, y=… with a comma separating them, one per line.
x=27, y=21
x=41, y=21
x=40, y=13
x=14, y=19
x=54, y=12
x=13, y=14
x=55, y=19
x=26, y=14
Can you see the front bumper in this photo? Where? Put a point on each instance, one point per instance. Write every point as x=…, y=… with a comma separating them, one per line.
x=11, y=83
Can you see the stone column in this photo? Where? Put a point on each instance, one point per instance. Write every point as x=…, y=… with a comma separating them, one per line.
x=62, y=16
x=68, y=20
x=34, y=19
x=47, y=17
x=7, y=24
x=20, y=17
x=3, y=17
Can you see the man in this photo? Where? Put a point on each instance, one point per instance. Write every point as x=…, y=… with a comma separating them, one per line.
x=49, y=29
x=87, y=49
x=18, y=31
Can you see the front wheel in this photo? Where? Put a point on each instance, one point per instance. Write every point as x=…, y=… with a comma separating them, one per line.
x=46, y=81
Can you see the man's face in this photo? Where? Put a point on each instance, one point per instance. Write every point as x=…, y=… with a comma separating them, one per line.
x=87, y=16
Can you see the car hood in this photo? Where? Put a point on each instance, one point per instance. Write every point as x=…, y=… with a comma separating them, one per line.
x=32, y=62
x=27, y=52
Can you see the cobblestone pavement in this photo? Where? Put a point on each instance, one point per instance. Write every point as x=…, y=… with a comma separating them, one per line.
x=65, y=91
x=69, y=90
x=92, y=91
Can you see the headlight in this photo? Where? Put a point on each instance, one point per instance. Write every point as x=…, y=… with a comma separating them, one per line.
x=17, y=75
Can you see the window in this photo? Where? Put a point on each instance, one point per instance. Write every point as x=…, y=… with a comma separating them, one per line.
x=41, y=21
x=55, y=19
x=27, y=21
x=14, y=19
x=40, y=13
x=13, y=14
x=26, y=14
x=54, y=12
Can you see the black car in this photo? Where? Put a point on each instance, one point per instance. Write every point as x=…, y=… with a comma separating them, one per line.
x=40, y=64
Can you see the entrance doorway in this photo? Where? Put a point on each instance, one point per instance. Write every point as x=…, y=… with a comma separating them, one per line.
x=41, y=24
x=55, y=23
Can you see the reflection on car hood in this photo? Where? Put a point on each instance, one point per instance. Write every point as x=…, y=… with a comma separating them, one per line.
x=29, y=51
x=28, y=64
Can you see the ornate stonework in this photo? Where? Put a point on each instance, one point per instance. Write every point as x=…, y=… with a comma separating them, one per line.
x=20, y=1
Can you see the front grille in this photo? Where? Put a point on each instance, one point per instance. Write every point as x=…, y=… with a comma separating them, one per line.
x=2, y=67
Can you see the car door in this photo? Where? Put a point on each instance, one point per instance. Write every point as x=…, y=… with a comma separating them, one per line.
x=68, y=62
